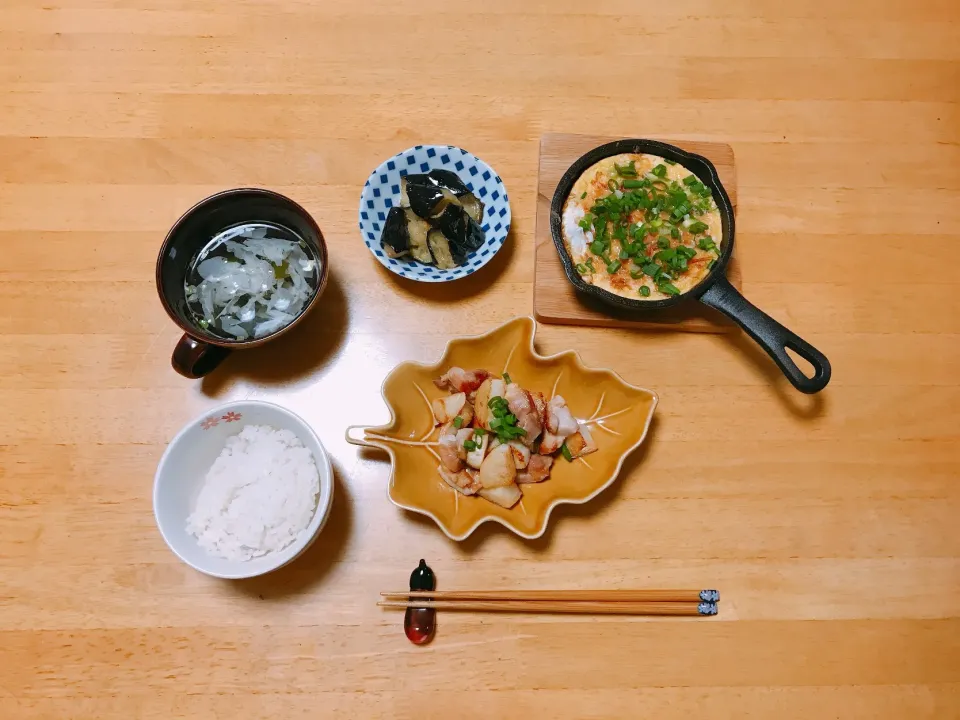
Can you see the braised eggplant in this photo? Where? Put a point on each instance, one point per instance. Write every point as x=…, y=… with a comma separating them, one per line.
x=396, y=236
x=471, y=203
x=418, y=229
x=446, y=254
x=421, y=194
x=438, y=220
x=460, y=228
x=448, y=180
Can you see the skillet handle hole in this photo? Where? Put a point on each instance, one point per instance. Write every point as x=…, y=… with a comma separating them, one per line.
x=804, y=365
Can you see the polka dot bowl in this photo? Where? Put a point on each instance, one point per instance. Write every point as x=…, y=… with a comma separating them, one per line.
x=382, y=192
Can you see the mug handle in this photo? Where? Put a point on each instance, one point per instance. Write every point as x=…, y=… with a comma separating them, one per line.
x=194, y=358
x=770, y=335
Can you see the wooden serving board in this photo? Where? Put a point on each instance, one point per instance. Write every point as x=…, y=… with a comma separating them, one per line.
x=555, y=300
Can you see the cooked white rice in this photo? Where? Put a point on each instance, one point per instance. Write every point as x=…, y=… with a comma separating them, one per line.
x=258, y=497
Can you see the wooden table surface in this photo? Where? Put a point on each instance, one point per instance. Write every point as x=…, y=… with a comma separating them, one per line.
x=829, y=523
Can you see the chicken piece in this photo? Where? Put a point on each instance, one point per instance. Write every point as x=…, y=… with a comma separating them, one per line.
x=522, y=406
x=550, y=443
x=521, y=454
x=560, y=421
x=465, y=481
x=540, y=402
x=537, y=471
x=460, y=380
x=581, y=443
x=452, y=406
x=449, y=454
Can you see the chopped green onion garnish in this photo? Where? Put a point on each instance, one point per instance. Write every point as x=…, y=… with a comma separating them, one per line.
x=612, y=184
x=675, y=233
x=582, y=269
x=583, y=196
x=690, y=180
x=698, y=227
x=480, y=431
x=636, y=274
x=597, y=247
x=633, y=184
x=651, y=269
x=613, y=267
x=711, y=264
x=669, y=162
x=663, y=243
x=624, y=254
x=645, y=291
x=567, y=455
x=666, y=287
x=627, y=170
x=458, y=422
x=706, y=244
x=469, y=445
x=506, y=378
x=590, y=265
x=660, y=171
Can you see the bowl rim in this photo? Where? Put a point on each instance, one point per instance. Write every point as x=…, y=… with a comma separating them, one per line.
x=324, y=502
x=531, y=323
x=382, y=167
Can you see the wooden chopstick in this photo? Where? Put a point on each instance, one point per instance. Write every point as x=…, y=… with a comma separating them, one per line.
x=692, y=596
x=564, y=606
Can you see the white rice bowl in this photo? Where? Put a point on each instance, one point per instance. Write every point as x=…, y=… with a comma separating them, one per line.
x=179, y=487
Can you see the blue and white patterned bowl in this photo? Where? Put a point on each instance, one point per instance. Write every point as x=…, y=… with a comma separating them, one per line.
x=382, y=191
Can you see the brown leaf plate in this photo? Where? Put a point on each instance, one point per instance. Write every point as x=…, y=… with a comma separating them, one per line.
x=619, y=416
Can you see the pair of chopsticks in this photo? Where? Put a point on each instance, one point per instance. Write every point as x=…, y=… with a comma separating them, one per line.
x=593, y=602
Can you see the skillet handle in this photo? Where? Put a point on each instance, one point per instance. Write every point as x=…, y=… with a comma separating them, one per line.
x=773, y=337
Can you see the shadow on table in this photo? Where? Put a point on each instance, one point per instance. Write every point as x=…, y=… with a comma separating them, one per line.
x=294, y=356
x=470, y=286
x=309, y=570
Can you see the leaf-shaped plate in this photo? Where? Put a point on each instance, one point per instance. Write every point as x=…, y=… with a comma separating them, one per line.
x=619, y=415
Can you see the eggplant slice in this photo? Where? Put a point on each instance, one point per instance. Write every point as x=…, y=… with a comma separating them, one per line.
x=460, y=228
x=395, y=237
x=418, y=229
x=448, y=255
x=421, y=194
x=471, y=203
x=449, y=180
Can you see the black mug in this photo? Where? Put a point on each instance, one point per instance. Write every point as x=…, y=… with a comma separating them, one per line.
x=199, y=351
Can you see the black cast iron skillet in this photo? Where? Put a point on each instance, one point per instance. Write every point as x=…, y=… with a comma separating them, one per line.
x=714, y=290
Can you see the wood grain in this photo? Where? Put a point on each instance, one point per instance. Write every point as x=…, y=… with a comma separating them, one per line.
x=555, y=300
x=827, y=523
